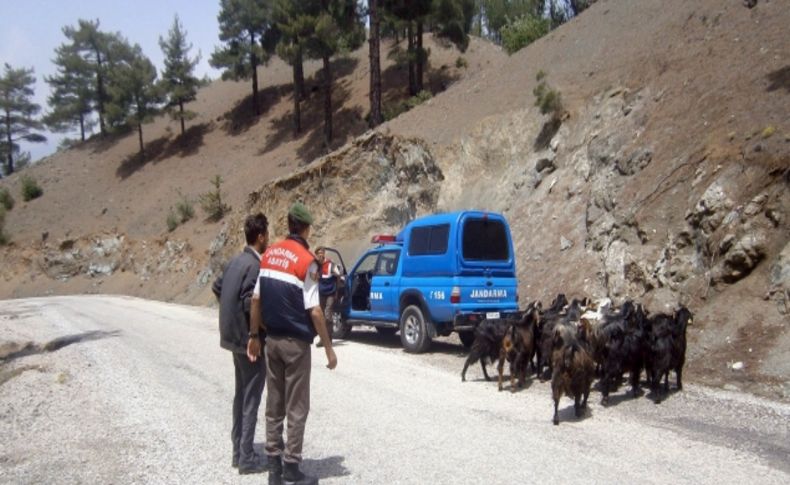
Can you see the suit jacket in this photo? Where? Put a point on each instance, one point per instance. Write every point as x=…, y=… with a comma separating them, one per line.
x=234, y=290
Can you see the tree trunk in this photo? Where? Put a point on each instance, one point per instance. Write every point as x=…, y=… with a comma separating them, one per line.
x=300, y=72
x=420, y=56
x=10, y=155
x=181, y=114
x=254, y=65
x=375, y=66
x=82, y=127
x=140, y=137
x=100, y=91
x=297, y=99
x=412, y=80
x=327, y=101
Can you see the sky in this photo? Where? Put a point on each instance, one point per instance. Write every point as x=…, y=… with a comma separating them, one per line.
x=30, y=30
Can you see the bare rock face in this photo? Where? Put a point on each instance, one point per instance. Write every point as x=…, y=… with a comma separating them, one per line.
x=780, y=280
x=61, y=265
x=376, y=183
x=103, y=255
x=635, y=162
x=780, y=270
x=741, y=258
x=711, y=209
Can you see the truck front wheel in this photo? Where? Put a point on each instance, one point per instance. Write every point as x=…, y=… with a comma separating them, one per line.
x=339, y=328
x=414, y=330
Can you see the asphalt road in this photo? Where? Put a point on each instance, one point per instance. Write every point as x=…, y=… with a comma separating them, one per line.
x=136, y=391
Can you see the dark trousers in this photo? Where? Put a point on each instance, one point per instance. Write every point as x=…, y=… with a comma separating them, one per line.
x=250, y=379
x=327, y=303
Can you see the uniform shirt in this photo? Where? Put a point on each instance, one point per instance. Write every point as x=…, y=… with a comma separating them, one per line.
x=287, y=287
x=329, y=269
x=310, y=288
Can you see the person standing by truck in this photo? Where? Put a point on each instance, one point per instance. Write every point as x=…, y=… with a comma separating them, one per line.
x=234, y=290
x=285, y=303
x=328, y=284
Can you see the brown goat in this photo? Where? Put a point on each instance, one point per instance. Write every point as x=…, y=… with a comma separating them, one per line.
x=572, y=370
x=518, y=347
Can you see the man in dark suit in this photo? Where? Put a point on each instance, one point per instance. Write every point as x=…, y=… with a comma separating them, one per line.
x=234, y=291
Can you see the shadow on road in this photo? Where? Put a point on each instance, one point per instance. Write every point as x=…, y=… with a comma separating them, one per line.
x=331, y=466
x=10, y=351
x=374, y=338
x=568, y=414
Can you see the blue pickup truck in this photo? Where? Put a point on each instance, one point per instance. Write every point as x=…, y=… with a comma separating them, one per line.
x=441, y=273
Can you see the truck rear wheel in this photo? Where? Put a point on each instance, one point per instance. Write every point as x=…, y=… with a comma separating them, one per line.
x=414, y=330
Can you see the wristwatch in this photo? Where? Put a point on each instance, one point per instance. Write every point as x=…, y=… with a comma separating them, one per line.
x=252, y=335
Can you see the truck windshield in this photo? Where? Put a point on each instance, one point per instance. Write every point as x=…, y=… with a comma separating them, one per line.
x=485, y=240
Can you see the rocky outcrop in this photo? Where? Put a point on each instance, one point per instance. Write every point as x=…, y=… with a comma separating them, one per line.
x=105, y=254
x=377, y=183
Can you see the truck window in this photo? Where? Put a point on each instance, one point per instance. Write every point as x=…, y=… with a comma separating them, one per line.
x=387, y=264
x=367, y=264
x=429, y=240
x=485, y=240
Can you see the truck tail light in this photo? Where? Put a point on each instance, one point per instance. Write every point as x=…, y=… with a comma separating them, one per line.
x=455, y=296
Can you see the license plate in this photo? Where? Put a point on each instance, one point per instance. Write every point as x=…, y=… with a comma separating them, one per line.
x=492, y=315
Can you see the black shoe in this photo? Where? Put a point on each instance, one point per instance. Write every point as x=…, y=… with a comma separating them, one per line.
x=293, y=476
x=275, y=470
x=259, y=464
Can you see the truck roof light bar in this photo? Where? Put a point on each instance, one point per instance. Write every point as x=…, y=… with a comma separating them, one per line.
x=382, y=239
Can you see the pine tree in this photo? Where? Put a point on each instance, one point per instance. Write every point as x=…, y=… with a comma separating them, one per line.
x=178, y=79
x=295, y=21
x=134, y=93
x=71, y=92
x=92, y=46
x=413, y=13
x=453, y=19
x=375, y=63
x=338, y=28
x=18, y=112
x=245, y=28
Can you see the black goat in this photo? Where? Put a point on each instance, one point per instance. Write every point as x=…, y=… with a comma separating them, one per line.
x=667, y=347
x=487, y=344
x=624, y=342
x=549, y=320
x=518, y=346
x=573, y=370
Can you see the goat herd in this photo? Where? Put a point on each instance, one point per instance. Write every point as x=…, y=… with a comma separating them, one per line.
x=574, y=342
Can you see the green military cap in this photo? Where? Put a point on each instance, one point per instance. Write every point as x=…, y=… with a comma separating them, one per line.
x=299, y=212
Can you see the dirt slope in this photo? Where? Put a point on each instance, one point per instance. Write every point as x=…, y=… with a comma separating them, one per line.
x=666, y=181
x=103, y=190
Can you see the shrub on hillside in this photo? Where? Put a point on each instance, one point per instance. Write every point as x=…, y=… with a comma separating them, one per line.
x=171, y=220
x=184, y=209
x=393, y=110
x=547, y=99
x=461, y=62
x=212, y=203
x=6, y=200
x=523, y=31
x=30, y=188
